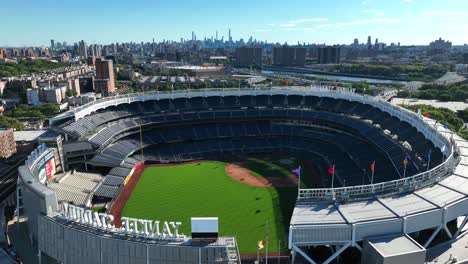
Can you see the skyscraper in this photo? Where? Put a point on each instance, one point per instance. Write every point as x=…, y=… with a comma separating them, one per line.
x=52, y=43
x=104, y=81
x=83, y=49
x=369, y=41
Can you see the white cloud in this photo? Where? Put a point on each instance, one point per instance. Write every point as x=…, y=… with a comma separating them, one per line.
x=323, y=26
x=444, y=13
x=271, y=25
x=373, y=12
x=288, y=25
x=408, y=1
x=370, y=21
x=263, y=30
x=308, y=20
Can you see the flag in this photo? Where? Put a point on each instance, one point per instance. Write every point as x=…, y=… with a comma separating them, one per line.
x=331, y=170
x=426, y=115
x=372, y=166
x=297, y=171
x=446, y=126
x=405, y=161
x=260, y=244
x=429, y=155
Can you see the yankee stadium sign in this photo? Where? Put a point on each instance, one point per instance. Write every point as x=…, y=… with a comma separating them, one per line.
x=157, y=230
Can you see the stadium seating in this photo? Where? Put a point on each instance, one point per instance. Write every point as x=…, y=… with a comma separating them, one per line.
x=200, y=127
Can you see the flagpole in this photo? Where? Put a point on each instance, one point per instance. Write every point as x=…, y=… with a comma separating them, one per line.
x=333, y=176
x=404, y=171
x=429, y=160
x=141, y=146
x=279, y=250
x=299, y=183
x=258, y=254
x=266, y=244
x=372, y=177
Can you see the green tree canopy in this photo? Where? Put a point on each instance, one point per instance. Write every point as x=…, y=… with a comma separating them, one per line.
x=8, y=122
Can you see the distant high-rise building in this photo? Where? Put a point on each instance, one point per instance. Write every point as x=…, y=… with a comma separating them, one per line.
x=369, y=41
x=356, y=42
x=2, y=54
x=465, y=58
x=52, y=43
x=247, y=56
x=83, y=49
x=229, y=36
x=289, y=56
x=104, y=81
x=329, y=55
x=440, y=44
x=95, y=50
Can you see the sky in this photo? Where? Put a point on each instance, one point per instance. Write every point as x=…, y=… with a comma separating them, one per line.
x=35, y=22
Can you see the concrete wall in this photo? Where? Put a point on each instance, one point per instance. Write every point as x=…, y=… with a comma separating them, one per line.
x=71, y=245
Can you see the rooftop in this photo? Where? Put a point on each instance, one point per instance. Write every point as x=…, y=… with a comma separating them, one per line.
x=390, y=246
x=28, y=135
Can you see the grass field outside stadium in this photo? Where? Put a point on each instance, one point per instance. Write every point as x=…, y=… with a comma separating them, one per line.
x=203, y=189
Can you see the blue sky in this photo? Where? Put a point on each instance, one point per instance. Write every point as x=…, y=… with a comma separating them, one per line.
x=35, y=22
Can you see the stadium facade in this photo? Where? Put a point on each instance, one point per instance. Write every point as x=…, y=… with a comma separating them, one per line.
x=422, y=184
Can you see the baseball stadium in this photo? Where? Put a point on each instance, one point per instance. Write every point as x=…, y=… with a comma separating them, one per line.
x=304, y=174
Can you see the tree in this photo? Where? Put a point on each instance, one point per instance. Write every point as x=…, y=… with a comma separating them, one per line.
x=8, y=122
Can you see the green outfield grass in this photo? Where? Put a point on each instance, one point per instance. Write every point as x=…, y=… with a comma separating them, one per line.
x=203, y=189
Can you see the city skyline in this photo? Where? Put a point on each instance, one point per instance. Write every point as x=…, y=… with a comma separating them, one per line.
x=411, y=22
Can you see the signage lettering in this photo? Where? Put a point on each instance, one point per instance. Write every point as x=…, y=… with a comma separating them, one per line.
x=148, y=228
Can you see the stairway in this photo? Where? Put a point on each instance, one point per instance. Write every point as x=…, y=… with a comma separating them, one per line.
x=232, y=250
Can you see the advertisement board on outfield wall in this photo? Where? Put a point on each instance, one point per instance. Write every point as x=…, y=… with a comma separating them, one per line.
x=46, y=167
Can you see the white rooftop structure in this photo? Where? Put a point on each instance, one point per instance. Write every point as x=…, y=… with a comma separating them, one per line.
x=28, y=135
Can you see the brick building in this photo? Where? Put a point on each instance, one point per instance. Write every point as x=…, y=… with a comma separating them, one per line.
x=7, y=143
